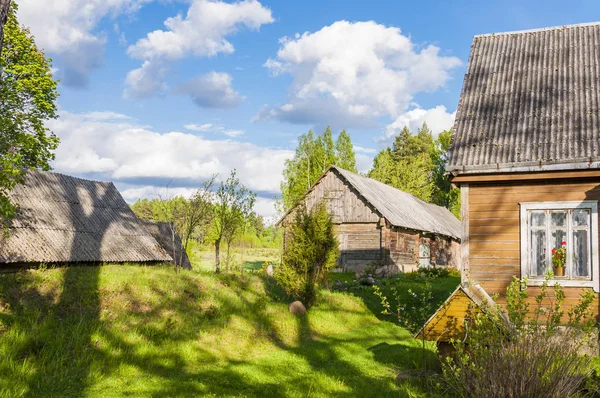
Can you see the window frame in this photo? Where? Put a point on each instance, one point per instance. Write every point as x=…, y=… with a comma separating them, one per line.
x=592, y=206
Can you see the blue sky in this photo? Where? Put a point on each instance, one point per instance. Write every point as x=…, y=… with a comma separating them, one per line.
x=170, y=92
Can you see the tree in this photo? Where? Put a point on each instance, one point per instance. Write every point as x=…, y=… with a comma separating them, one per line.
x=444, y=194
x=314, y=154
x=27, y=99
x=234, y=204
x=309, y=255
x=195, y=212
x=346, y=158
x=4, y=11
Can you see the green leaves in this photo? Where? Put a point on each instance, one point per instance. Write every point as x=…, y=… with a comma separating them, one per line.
x=314, y=154
x=27, y=100
x=415, y=163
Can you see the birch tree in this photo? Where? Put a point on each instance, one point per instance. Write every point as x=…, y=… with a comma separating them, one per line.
x=234, y=204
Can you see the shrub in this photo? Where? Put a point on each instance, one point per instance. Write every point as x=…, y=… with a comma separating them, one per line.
x=309, y=255
x=532, y=355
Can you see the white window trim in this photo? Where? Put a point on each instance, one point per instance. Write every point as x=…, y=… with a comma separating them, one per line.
x=583, y=204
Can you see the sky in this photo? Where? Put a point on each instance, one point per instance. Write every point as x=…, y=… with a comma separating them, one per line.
x=157, y=96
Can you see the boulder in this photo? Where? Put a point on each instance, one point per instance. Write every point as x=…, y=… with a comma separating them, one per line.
x=297, y=308
x=368, y=281
x=269, y=270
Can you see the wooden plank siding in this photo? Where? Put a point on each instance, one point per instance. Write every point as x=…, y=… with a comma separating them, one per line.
x=494, y=226
x=365, y=237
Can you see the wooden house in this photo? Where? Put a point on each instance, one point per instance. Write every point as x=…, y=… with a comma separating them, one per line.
x=525, y=152
x=381, y=225
x=63, y=219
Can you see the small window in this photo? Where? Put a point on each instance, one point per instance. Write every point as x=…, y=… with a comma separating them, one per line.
x=551, y=225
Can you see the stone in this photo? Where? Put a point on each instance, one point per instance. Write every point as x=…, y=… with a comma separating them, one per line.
x=369, y=281
x=269, y=270
x=297, y=308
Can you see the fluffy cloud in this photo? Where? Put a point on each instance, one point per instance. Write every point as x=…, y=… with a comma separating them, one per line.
x=212, y=90
x=355, y=71
x=201, y=33
x=145, y=81
x=438, y=119
x=66, y=30
x=116, y=148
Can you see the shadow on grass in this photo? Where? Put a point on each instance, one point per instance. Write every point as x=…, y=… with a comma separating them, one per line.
x=74, y=345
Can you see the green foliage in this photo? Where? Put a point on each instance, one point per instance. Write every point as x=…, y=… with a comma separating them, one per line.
x=416, y=164
x=309, y=255
x=27, y=100
x=234, y=205
x=533, y=355
x=314, y=154
x=345, y=156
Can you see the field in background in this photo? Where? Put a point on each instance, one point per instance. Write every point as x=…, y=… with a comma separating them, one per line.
x=127, y=330
x=203, y=257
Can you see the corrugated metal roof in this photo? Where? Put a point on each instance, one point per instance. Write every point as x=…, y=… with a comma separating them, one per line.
x=402, y=209
x=67, y=219
x=530, y=100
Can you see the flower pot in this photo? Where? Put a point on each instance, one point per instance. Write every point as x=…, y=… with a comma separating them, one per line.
x=560, y=271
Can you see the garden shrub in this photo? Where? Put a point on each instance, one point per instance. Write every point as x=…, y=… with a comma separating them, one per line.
x=533, y=355
x=309, y=255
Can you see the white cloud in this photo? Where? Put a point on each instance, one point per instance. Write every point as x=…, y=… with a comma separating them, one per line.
x=212, y=90
x=122, y=151
x=66, y=28
x=358, y=149
x=201, y=33
x=355, y=72
x=199, y=127
x=145, y=81
x=209, y=127
x=438, y=119
x=203, y=30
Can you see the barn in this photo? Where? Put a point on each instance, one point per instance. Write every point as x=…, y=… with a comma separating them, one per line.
x=63, y=219
x=525, y=152
x=381, y=225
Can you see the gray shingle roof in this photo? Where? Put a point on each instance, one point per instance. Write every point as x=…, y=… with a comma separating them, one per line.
x=67, y=219
x=530, y=101
x=402, y=209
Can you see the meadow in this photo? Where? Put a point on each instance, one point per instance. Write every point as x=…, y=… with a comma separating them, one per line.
x=130, y=330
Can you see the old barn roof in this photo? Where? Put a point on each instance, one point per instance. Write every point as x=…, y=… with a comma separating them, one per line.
x=402, y=209
x=68, y=219
x=530, y=101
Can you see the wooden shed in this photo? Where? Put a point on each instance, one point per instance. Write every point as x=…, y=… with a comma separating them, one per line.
x=525, y=152
x=379, y=224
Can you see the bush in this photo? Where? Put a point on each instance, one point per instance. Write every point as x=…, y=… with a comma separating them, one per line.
x=309, y=255
x=518, y=353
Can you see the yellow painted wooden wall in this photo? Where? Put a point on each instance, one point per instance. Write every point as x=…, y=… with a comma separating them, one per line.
x=449, y=320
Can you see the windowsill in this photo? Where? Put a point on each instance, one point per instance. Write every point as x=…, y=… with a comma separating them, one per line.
x=561, y=282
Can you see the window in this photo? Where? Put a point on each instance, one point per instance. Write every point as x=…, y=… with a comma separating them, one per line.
x=545, y=226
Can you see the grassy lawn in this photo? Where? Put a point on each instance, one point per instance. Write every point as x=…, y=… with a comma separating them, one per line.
x=116, y=331
x=251, y=258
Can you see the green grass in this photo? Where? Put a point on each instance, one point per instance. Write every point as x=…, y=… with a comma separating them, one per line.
x=129, y=330
x=203, y=258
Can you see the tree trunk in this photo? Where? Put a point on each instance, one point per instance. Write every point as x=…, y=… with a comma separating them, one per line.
x=217, y=256
x=228, y=258
x=4, y=9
